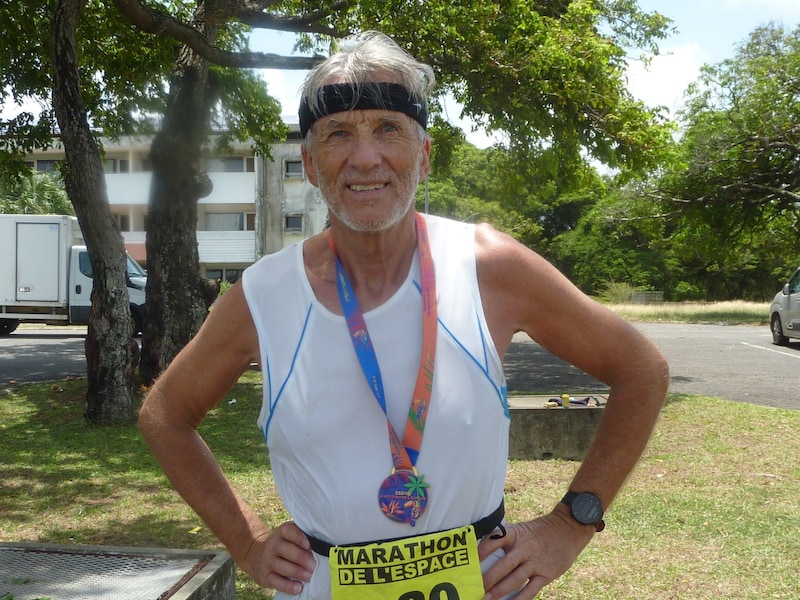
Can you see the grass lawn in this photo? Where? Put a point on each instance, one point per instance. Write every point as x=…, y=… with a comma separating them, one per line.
x=712, y=511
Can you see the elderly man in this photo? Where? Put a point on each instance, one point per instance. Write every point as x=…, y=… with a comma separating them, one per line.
x=381, y=343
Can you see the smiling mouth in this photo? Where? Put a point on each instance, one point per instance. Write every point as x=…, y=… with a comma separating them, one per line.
x=366, y=187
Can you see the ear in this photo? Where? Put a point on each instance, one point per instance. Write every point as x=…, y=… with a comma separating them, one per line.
x=425, y=159
x=308, y=165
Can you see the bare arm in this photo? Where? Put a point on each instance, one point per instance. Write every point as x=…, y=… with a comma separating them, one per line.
x=523, y=292
x=193, y=384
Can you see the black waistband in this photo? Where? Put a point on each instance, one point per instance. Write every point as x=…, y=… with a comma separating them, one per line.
x=482, y=527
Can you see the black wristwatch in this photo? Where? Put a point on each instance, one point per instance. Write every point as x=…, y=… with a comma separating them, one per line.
x=585, y=508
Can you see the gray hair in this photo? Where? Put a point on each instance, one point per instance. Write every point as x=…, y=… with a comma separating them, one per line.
x=366, y=57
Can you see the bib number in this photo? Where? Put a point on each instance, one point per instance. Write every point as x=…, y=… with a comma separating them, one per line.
x=442, y=591
x=437, y=566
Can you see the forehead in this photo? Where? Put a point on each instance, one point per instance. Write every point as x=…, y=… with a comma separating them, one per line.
x=359, y=116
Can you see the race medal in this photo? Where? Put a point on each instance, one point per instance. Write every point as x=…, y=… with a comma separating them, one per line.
x=403, y=497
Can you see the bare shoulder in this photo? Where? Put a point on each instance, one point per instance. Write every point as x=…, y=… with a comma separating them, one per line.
x=521, y=291
x=229, y=325
x=517, y=285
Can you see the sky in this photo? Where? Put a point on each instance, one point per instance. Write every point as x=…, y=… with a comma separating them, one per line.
x=708, y=32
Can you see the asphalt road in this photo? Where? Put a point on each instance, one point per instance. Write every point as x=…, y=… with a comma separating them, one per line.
x=735, y=362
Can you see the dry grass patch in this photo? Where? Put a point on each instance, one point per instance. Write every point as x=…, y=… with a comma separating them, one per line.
x=737, y=312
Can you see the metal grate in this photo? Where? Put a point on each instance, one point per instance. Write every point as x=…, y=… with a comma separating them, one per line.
x=28, y=573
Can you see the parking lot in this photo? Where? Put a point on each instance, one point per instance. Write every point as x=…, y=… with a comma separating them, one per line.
x=737, y=362
x=734, y=362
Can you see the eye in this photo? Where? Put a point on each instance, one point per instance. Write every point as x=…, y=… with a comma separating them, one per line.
x=389, y=127
x=337, y=134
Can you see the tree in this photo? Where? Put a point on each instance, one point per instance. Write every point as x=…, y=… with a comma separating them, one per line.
x=578, y=83
x=731, y=190
x=35, y=193
x=547, y=73
x=740, y=152
x=78, y=56
x=108, y=340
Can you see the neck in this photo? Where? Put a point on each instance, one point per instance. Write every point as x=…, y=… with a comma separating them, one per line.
x=376, y=263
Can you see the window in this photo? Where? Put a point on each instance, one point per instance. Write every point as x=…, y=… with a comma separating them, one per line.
x=223, y=274
x=123, y=222
x=293, y=168
x=293, y=223
x=225, y=164
x=84, y=264
x=794, y=283
x=225, y=222
x=47, y=166
x=251, y=221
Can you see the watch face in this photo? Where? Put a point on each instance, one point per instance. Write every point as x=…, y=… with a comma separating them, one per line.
x=586, y=508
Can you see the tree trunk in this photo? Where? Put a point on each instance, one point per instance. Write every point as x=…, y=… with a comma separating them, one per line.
x=177, y=297
x=109, y=345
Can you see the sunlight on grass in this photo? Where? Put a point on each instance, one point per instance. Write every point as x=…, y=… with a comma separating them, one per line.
x=710, y=512
x=733, y=312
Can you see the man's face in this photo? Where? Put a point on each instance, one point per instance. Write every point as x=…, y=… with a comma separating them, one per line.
x=368, y=164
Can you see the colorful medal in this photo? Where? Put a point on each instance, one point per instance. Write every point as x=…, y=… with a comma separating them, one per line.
x=403, y=496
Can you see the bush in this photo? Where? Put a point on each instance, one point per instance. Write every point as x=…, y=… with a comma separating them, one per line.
x=617, y=293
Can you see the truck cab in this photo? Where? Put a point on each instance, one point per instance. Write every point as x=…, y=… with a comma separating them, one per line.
x=81, y=281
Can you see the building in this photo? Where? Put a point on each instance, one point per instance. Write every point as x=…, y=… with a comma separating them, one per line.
x=257, y=205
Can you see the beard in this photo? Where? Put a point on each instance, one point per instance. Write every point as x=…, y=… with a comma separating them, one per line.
x=384, y=212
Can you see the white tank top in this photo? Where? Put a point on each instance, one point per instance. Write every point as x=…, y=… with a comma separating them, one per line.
x=326, y=433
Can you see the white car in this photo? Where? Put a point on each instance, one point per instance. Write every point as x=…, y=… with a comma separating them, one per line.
x=785, y=312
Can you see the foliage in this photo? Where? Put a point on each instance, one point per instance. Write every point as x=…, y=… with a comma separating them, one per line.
x=124, y=76
x=616, y=293
x=731, y=190
x=540, y=71
x=720, y=217
x=741, y=162
x=123, y=79
x=34, y=193
x=470, y=189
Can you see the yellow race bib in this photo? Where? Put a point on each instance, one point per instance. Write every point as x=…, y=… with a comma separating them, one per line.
x=436, y=566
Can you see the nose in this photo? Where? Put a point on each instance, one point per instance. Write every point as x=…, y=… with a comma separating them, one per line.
x=365, y=153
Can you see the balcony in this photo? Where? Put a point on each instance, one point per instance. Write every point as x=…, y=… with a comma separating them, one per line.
x=214, y=247
x=133, y=189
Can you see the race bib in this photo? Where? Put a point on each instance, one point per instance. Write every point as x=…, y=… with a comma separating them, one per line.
x=437, y=566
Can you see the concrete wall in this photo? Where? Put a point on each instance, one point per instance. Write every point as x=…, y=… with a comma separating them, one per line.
x=542, y=433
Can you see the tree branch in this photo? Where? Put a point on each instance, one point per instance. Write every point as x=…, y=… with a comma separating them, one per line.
x=255, y=14
x=151, y=21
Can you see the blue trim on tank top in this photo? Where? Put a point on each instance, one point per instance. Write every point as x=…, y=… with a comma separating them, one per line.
x=501, y=391
x=273, y=404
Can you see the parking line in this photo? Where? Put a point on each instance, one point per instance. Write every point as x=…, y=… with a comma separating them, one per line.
x=771, y=350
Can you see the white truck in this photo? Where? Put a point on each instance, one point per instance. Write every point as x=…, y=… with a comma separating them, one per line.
x=46, y=274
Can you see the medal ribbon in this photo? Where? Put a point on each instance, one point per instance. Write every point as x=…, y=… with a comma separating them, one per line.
x=405, y=453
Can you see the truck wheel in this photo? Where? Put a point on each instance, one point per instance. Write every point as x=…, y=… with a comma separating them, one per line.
x=7, y=326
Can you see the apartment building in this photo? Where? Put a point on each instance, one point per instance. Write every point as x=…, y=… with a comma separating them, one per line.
x=257, y=205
